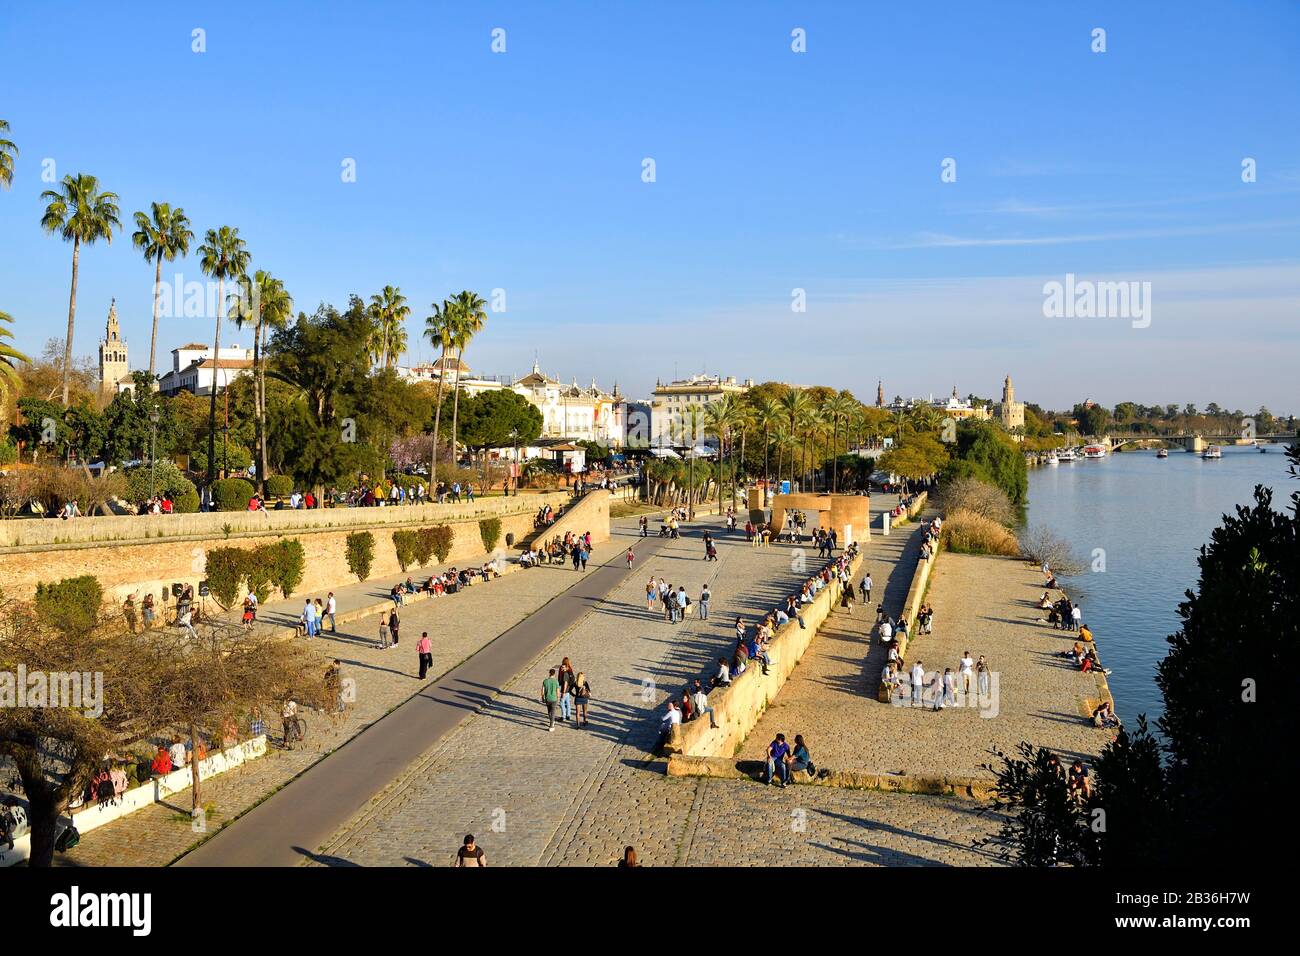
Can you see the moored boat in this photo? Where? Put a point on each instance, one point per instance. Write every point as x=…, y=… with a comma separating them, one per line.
x=1094, y=451
x=1066, y=454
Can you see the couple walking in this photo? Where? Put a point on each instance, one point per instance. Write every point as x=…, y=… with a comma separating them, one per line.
x=569, y=691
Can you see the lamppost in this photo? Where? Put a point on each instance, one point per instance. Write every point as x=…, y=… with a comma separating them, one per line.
x=514, y=437
x=153, y=445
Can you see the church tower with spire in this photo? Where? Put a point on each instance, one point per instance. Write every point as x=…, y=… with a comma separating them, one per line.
x=1010, y=412
x=880, y=394
x=113, y=365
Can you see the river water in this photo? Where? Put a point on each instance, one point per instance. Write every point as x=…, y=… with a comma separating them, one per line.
x=1150, y=516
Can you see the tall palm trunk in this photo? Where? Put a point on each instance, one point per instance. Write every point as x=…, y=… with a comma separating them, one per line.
x=72, y=317
x=196, y=798
x=735, y=469
x=153, y=339
x=437, y=420
x=835, y=449
x=455, y=408
x=767, y=448
x=216, y=377
x=259, y=406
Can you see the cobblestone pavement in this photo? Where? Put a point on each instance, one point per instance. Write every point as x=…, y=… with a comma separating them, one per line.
x=578, y=796
x=981, y=604
x=458, y=626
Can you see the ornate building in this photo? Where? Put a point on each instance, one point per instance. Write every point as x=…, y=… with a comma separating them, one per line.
x=574, y=412
x=1009, y=411
x=114, y=371
x=672, y=402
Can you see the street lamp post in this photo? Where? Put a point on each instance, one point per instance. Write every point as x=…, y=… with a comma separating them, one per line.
x=153, y=445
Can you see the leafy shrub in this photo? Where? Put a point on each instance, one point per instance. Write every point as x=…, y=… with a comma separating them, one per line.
x=187, y=502
x=232, y=494
x=225, y=569
x=966, y=532
x=71, y=604
x=440, y=540
x=259, y=571
x=290, y=563
x=405, y=543
x=167, y=479
x=237, y=458
x=8, y=451
x=489, y=530
x=279, y=486
x=360, y=553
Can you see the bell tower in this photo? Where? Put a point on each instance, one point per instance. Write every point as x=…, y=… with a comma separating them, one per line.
x=113, y=364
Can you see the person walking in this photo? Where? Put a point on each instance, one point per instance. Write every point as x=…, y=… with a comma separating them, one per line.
x=470, y=854
x=383, y=631
x=393, y=624
x=918, y=682
x=425, y=650
x=330, y=607
x=581, y=695
x=651, y=593
x=583, y=555
x=565, y=678
x=630, y=558
x=982, y=678
x=550, y=697
x=865, y=587
x=705, y=596
x=967, y=671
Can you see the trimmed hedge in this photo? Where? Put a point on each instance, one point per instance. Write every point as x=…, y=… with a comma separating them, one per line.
x=440, y=538
x=232, y=494
x=279, y=486
x=167, y=479
x=489, y=530
x=279, y=565
x=405, y=544
x=360, y=553
x=71, y=604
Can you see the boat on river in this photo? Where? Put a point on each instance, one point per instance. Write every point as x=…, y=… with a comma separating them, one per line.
x=1211, y=452
x=1094, y=451
x=1162, y=453
x=1066, y=454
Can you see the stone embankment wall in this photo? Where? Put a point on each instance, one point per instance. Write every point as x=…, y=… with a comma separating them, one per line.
x=135, y=555
x=737, y=709
x=590, y=513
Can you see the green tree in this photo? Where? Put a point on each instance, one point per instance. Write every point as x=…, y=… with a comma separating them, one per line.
x=438, y=329
x=388, y=315
x=8, y=154
x=80, y=214
x=10, y=358
x=222, y=256
x=263, y=303
x=468, y=319
x=163, y=233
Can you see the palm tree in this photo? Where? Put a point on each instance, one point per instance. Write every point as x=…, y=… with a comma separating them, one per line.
x=470, y=317
x=222, y=256
x=925, y=418
x=766, y=415
x=263, y=303
x=794, y=407
x=10, y=358
x=438, y=330
x=8, y=153
x=743, y=422
x=164, y=234
x=719, y=419
x=79, y=213
x=388, y=312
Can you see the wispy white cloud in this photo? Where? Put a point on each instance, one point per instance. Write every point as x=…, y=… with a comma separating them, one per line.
x=933, y=240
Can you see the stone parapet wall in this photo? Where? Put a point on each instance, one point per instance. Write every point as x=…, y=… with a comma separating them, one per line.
x=737, y=709
x=124, y=529
x=154, y=566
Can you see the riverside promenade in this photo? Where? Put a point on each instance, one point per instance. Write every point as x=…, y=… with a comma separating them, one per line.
x=986, y=605
x=578, y=796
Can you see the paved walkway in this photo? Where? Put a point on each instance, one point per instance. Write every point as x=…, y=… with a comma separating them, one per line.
x=981, y=604
x=579, y=796
x=459, y=625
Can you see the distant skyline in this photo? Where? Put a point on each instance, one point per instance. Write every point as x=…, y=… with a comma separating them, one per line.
x=775, y=171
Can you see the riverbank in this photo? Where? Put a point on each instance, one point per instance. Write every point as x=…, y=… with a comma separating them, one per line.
x=984, y=605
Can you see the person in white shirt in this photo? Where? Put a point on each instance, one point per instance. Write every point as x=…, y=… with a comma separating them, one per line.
x=329, y=610
x=288, y=716
x=967, y=671
x=673, y=718
x=886, y=631
x=918, y=682
x=177, y=752
x=700, y=701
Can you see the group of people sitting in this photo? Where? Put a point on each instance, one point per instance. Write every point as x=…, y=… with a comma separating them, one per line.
x=158, y=505
x=930, y=537
x=572, y=547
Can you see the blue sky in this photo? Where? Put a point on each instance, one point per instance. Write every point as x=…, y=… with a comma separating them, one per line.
x=774, y=171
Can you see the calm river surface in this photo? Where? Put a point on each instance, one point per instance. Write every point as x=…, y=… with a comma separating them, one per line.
x=1151, y=516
